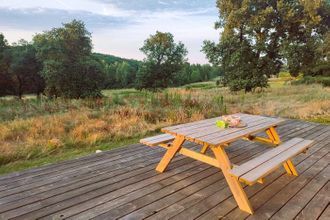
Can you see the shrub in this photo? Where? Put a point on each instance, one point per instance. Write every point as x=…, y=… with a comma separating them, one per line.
x=325, y=81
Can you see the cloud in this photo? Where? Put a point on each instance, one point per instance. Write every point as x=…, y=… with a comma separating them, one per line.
x=43, y=18
x=91, y=6
x=118, y=27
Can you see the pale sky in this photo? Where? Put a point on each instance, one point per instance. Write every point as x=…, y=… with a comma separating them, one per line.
x=118, y=27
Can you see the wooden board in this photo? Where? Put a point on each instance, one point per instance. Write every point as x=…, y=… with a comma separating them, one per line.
x=91, y=186
x=206, y=131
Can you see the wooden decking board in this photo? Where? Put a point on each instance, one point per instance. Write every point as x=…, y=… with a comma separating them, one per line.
x=325, y=214
x=316, y=205
x=117, y=203
x=228, y=208
x=109, y=164
x=98, y=210
x=56, y=195
x=58, y=176
x=128, y=197
x=276, y=182
x=244, y=149
x=171, y=210
x=113, y=165
x=195, y=181
x=90, y=158
x=65, y=171
x=46, y=191
x=78, y=195
x=115, y=168
x=291, y=208
x=81, y=180
x=272, y=205
x=224, y=203
x=257, y=189
x=242, y=156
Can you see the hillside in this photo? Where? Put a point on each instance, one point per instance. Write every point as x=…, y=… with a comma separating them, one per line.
x=110, y=59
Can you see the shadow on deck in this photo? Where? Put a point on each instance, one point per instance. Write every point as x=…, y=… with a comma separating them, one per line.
x=122, y=183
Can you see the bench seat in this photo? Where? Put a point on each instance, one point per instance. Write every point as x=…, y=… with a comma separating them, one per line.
x=157, y=140
x=257, y=168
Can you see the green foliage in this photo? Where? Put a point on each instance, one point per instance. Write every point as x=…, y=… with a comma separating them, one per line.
x=325, y=81
x=19, y=70
x=259, y=35
x=164, y=59
x=69, y=68
x=119, y=72
x=4, y=67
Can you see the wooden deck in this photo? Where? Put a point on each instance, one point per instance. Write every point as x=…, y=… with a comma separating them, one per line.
x=123, y=183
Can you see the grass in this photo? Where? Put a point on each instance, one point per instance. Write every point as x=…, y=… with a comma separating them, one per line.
x=36, y=132
x=61, y=156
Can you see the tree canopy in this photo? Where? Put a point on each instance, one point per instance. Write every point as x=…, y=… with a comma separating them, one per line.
x=67, y=63
x=259, y=36
x=164, y=59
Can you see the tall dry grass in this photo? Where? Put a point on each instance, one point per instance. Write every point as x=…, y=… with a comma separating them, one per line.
x=34, y=128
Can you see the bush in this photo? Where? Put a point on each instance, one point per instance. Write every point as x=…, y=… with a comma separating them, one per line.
x=325, y=81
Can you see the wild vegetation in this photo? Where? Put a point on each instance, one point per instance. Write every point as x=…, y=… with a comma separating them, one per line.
x=46, y=130
x=59, y=99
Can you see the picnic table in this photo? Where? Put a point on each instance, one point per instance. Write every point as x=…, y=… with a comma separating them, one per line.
x=209, y=136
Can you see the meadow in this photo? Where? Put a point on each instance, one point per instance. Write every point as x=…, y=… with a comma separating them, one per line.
x=39, y=131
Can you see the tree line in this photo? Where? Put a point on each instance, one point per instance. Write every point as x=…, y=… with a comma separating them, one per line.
x=258, y=39
x=60, y=63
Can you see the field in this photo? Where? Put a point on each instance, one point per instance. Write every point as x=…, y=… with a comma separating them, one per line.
x=35, y=132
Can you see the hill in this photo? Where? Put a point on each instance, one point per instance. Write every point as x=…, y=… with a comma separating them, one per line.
x=110, y=59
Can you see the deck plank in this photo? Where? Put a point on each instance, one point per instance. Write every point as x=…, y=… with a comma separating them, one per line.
x=301, y=199
x=222, y=204
x=315, y=207
x=241, y=153
x=123, y=183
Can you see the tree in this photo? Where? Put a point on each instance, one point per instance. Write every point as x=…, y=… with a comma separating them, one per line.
x=164, y=59
x=259, y=35
x=68, y=66
x=24, y=70
x=5, y=81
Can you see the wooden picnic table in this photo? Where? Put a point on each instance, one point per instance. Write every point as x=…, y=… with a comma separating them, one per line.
x=209, y=136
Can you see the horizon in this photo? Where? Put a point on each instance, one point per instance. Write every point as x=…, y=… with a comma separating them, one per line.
x=118, y=27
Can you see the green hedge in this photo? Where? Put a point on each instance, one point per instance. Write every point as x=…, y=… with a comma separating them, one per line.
x=325, y=81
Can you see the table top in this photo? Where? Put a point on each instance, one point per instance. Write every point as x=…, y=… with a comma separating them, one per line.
x=206, y=132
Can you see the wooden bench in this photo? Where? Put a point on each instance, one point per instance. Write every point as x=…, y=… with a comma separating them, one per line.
x=163, y=140
x=254, y=170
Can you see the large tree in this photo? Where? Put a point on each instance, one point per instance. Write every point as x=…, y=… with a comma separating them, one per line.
x=24, y=69
x=164, y=58
x=258, y=35
x=68, y=65
x=4, y=67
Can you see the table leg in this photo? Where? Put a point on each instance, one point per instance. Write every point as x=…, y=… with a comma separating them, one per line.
x=233, y=183
x=272, y=134
x=204, y=148
x=288, y=165
x=170, y=153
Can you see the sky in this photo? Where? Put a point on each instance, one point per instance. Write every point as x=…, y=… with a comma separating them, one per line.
x=118, y=27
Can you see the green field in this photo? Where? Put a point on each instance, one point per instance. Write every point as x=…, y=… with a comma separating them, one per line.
x=35, y=132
